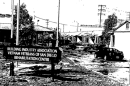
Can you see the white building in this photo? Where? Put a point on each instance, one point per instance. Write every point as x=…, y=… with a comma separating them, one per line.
x=121, y=39
x=86, y=32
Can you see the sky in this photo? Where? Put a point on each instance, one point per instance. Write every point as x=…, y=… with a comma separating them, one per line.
x=72, y=12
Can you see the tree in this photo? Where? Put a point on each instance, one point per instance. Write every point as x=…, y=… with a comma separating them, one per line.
x=55, y=36
x=109, y=24
x=26, y=25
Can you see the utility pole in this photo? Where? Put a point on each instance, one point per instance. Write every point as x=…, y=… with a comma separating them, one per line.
x=128, y=15
x=12, y=9
x=17, y=33
x=128, y=18
x=77, y=26
x=63, y=27
x=101, y=10
x=47, y=21
x=57, y=40
x=37, y=22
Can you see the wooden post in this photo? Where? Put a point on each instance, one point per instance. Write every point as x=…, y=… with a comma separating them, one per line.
x=52, y=69
x=12, y=68
x=12, y=63
x=129, y=72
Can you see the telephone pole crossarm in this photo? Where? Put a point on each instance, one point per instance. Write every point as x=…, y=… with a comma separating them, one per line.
x=101, y=10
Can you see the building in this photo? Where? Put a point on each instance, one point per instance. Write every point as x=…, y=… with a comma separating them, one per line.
x=5, y=33
x=120, y=39
x=85, y=35
x=43, y=33
x=5, y=27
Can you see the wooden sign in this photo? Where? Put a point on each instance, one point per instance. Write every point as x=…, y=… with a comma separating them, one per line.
x=43, y=54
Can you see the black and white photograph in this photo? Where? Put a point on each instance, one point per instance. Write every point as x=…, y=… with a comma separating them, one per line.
x=64, y=43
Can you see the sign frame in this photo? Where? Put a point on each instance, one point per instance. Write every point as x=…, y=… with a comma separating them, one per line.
x=52, y=52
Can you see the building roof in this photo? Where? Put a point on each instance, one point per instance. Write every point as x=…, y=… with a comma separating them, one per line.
x=119, y=26
x=84, y=30
x=80, y=33
x=6, y=26
x=41, y=28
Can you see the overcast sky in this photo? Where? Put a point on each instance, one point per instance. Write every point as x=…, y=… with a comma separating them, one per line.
x=71, y=11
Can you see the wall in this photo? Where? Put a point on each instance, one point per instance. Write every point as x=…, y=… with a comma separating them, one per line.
x=122, y=42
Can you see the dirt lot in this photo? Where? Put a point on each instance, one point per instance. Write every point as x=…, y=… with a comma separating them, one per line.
x=70, y=75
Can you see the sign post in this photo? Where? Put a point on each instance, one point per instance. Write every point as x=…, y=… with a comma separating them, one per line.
x=12, y=68
x=48, y=55
x=52, y=69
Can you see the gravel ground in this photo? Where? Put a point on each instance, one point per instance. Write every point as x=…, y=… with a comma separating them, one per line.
x=69, y=75
x=73, y=76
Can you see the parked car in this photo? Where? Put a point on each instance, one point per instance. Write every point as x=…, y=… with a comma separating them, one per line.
x=110, y=54
x=73, y=46
x=91, y=48
x=79, y=48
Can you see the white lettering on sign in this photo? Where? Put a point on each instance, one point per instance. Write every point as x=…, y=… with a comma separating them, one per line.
x=43, y=54
x=17, y=49
x=16, y=53
x=24, y=49
x=55, y=51
x=44, y=59
x=32, y=49
x=31, y=58
x=29, y=49
x=10, y=48
x=10, y=52
x=48, y=55
x=28, y=53
x=13, y=53
x=55, y=55
x=37, y=54
x=51, y=55
x=47, y=50
x=34, y=54
x=19, y=57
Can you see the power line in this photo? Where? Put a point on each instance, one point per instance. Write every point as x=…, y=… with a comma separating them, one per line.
x=121, y=12
x=53, y=21
x=101, y=12
x=47, y=21
x=117, y=10
x=84, y=31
